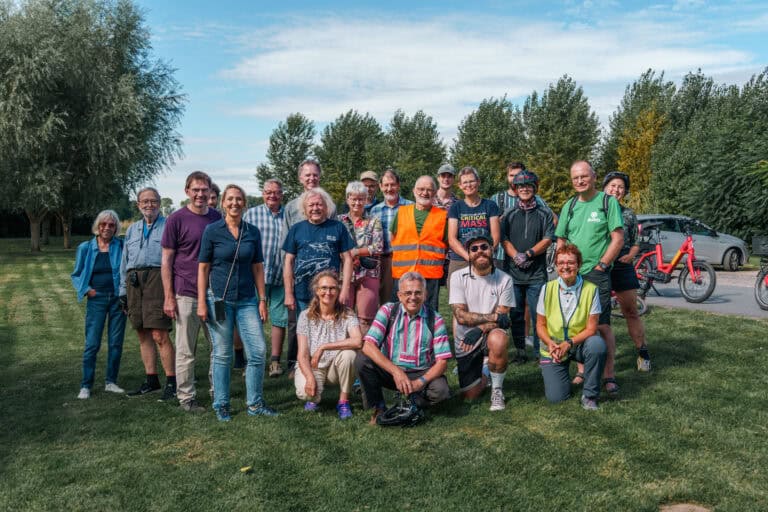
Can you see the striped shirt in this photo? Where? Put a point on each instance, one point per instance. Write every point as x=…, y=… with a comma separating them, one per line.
x=410, y=344
x=386, y=214
x=271, y=227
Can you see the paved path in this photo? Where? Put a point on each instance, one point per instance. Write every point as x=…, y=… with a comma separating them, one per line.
x=733, y=295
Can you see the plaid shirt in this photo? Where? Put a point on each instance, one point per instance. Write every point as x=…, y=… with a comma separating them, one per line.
x=410, y=344
x=271, y=227
x=386, y=214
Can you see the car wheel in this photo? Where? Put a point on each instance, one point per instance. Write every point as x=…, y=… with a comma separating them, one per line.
x=731, y=260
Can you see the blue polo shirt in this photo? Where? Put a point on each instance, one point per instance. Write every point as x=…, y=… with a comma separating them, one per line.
x=218, y=248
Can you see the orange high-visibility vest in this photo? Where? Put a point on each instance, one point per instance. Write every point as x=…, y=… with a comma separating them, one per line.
x=421, y=252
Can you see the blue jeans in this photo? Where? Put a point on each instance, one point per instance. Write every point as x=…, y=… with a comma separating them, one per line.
x=525, y=293
x=97, y=310
x=245, y=314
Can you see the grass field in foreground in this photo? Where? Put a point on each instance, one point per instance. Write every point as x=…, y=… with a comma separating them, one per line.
x=693, y=430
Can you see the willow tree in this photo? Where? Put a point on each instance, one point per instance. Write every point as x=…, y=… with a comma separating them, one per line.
x=86, y=112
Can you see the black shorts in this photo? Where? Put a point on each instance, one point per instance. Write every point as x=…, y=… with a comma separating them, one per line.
x=603, y=282
x=145, y=301
x=470, y=365
x=623, y=277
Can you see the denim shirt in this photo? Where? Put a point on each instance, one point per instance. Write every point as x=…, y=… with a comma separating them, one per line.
x=140, y=252
x=86, y=257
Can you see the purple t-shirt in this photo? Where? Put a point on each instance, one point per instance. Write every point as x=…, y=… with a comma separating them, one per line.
x=183, y=232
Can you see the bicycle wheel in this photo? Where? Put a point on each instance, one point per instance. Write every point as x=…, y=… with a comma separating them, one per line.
x=642, y=306
x=642, y=269
x=761, y=290
x=700, y=290
x=615, y=307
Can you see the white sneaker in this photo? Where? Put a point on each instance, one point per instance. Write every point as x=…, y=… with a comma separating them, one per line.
x=529, y=341
x=497, y=400
x=84, y=394
x=114, y=388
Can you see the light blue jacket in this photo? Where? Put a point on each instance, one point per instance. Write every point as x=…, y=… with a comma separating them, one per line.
x=85, y=259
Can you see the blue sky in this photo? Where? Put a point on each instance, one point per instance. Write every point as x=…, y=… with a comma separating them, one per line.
x=246, y=66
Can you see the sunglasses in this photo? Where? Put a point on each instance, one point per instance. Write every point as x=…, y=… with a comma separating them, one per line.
x=481, y=247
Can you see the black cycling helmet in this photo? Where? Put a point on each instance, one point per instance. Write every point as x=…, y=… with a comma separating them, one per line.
x=526, y=177
x=616, y=174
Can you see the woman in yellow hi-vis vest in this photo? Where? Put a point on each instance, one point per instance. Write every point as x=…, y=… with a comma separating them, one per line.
x=568, y=312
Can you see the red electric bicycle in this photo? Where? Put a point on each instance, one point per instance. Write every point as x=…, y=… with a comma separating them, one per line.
x=697, y=279
x=760, y=248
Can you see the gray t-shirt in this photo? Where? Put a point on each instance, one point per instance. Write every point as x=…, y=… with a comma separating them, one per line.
x=321, y=332
x=481, y=294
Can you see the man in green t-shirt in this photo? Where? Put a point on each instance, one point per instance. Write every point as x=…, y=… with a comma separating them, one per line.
x=594, y=225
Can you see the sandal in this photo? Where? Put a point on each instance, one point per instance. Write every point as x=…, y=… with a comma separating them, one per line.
x=578, y=379
x=610, y=386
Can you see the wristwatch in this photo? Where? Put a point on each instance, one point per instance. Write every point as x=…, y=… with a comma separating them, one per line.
x=423, y=380
x=570, y=343
x=603, y=266
x=530, y=253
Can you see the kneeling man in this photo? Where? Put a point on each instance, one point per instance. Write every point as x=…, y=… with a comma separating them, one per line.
x=480, y=297
x=406, y=349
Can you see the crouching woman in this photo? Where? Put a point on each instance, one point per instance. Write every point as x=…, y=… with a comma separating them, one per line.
x=566, y=322
x=328, y=335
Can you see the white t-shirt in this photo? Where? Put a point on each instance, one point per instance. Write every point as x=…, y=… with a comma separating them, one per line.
x=481, y=294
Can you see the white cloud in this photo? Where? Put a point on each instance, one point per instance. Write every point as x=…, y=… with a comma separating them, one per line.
x=445, y=67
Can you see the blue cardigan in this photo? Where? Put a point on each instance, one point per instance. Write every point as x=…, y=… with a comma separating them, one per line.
x=85, y=259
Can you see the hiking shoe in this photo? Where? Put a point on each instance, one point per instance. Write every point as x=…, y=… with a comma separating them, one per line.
x=275, y=370
x=169, y=392
x=145, y=388
x=378, y=410
x=589, y=404
x=311, y=407
x=192, y=406
x=114, y=388
x=497, y=400
x=643, y=365
x=344, y=410
x=222, y=413
x=84, y=394
x=261, y=409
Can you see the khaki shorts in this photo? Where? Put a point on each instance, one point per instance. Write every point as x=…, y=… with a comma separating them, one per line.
x=145, y=301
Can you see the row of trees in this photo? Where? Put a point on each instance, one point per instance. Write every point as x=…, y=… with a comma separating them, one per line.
x=699, y=149
x=548, y=133
x=86, y=114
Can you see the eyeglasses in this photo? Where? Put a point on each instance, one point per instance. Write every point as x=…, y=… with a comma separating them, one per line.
x=147, y=202
x=327, y=289
x=566, y=264
x=412, y=293
x=481, y=247
x=107, y=224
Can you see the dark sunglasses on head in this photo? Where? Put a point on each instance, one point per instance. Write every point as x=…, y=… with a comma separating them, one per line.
x=481, y=247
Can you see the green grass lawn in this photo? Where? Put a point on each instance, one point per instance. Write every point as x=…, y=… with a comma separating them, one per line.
x=694, y=430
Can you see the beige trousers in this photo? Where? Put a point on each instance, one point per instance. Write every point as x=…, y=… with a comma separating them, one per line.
x=187, y=328
x=341, y=372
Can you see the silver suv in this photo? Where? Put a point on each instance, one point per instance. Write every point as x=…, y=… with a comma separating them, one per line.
x=716, y=248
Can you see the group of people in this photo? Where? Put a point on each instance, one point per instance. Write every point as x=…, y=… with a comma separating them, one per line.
x=355, y=295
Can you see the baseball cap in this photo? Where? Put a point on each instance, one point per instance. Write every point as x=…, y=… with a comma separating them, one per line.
x=475, y=234
x=369, y=175
x=446, y=168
